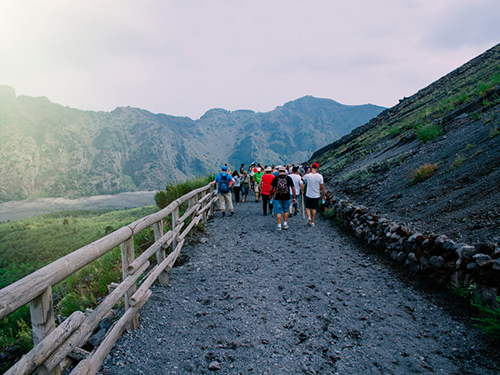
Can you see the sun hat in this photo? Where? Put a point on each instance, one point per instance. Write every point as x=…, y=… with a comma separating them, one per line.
x=281, y=169
x=269, y=169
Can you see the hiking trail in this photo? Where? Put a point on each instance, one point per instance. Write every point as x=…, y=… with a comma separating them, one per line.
x=247, y=299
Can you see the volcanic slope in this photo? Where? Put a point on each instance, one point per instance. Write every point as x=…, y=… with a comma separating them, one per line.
x=251, y=300
x=451, y=126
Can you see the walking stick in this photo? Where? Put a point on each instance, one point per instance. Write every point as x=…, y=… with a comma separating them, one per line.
x=303, y=209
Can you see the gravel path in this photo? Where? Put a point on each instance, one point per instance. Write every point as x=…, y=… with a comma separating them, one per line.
x=252, y=300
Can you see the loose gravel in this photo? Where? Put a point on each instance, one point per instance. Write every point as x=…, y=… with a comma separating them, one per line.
x=251, y=300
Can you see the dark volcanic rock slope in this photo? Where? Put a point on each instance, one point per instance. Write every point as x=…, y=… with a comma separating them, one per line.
x=251, y=300
x=374, y=165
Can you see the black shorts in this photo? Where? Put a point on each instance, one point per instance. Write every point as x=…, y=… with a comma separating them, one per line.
x=312, y=203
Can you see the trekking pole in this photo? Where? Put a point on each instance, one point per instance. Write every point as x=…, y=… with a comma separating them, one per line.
x=303, y=209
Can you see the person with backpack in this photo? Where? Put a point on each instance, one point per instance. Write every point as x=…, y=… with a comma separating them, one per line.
x=224, y=182
x=282, y=185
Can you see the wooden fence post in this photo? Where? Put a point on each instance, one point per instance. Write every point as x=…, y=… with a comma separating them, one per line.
x=212, y=207
x=42, y=319
x=175, y=216
x=160, y=253
x=205, y=202
x=127, y=249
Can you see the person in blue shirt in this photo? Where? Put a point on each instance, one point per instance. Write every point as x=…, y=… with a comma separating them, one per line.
x=224, y=182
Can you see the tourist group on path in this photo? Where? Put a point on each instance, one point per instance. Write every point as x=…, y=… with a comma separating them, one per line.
x=279, y=188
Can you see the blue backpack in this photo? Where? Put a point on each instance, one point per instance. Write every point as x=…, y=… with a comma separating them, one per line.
x=223, y=183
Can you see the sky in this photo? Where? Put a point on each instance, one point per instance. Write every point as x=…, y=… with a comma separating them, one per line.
x=184, y=57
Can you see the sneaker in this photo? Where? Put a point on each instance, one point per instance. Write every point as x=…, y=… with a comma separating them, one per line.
x=285, y=226
x=312, y=224
x=279, y=228
x=231, y=214
x=309, y=221
x=223, y=214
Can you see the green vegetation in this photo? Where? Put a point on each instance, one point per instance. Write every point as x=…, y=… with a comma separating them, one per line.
x=457, y=163
x=489, y=322
x=494, y=132
x=30, y=244
x=172, y=192
x=428, y=133
x=423, y=173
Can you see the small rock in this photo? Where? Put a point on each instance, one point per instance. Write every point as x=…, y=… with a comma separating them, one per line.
x=496, y=266
x=466, y=251
x=481, y=259
x=214, y=366
x=449, y=245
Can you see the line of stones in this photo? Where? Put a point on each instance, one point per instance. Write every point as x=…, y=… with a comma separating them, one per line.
x=436, y=256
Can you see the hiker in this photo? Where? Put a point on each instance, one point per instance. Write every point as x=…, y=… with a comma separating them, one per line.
x=314, y=187
x=242, y=168
x=245, y=186
x=236, y=186
x=297, y=180
x=266, y=190
x=282, y=184
x=256, y=177
x=224, y=181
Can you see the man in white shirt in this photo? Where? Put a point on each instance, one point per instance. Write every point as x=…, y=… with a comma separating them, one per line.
x=314, y=187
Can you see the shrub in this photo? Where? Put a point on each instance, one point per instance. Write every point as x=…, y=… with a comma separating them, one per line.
x=489, y=322
x=423, y=173
x=164, y=197
x=428, y=133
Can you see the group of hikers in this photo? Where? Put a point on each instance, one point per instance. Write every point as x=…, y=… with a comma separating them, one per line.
x=279, y=188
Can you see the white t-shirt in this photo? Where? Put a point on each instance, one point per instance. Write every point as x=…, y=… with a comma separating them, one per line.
x=296, y=183
x=313, y=181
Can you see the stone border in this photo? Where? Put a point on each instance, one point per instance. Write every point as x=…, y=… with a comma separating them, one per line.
x=436, y=256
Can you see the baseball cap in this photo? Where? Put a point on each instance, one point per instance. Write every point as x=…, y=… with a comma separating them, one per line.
x=315, y=165
x=224, y=168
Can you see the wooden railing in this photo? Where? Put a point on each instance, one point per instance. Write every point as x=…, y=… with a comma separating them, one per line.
x=54, y=346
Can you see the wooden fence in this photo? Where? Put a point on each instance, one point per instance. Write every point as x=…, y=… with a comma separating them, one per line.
x=56, y=348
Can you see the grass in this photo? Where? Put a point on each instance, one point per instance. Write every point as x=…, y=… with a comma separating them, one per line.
x=29, y=244
x=428, y=133
x=457, y=163
x=489, y=322
x=423, y=172
x=494, y=132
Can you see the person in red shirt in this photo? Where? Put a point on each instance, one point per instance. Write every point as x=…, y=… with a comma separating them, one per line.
x=265, y=187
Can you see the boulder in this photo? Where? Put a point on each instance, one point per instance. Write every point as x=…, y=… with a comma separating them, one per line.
x=449, y=245
x=437, y=262
x=481, y=259
x=441, y=240
x=466, y=251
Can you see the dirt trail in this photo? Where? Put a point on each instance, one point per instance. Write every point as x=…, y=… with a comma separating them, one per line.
x=252, y=300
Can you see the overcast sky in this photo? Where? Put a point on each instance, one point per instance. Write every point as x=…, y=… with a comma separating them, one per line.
x=185, y=57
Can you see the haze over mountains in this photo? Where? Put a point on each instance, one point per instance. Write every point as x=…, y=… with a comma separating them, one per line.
x=47, y=150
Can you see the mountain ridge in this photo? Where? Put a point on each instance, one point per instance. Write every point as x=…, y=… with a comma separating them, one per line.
x=48, y=150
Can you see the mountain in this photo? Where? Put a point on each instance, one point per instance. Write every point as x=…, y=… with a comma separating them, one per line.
x=47, y=150
x=432, y=161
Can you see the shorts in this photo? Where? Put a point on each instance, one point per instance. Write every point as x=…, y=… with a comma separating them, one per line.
x=312, y=203
x=257, y=188
x=280, y=207
x=223, y=198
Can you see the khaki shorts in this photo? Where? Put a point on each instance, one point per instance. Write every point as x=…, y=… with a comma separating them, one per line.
x=256, y=188
x=223, y=198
